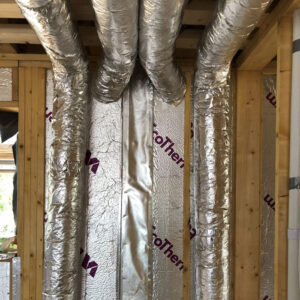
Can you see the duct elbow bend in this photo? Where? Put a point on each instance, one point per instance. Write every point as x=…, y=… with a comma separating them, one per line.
x=160, y=23
x=167, y=79
x=117, y=23
x=112, y=78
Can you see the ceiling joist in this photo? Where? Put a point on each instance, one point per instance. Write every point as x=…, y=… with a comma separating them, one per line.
x=197, y=12
x=23, y=34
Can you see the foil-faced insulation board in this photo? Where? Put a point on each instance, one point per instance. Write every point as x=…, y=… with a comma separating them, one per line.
x=168, y=147
x=5, y=84
x=100, y=252
x=16, y=278
x=268, y=187
x=4, y=280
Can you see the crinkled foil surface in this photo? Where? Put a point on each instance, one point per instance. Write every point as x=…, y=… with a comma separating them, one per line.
x=136, y=217
x=268, y=187
x=104, y=198
x=5, y=84
x=234, y=21
x=67, y=176
x=159, y=25
x=168, y=132
x=4, y=280
x=117, y=23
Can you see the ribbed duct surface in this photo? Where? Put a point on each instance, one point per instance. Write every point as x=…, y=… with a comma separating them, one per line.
x=117, y=23
x=234, y=21
x=160, y=23
x=52, y=23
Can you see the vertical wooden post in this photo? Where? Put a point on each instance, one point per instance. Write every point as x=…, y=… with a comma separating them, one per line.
x=186, y=190
x=284, y=74
x=31, y=147
x=248, y=185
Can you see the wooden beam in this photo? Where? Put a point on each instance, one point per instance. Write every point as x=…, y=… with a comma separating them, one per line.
x=31, y=179
x=271, y=68
x=248, y=185
x=4, y=57
x=283, y=99
x=189, y=39
x=197, y=12
x=9, y=104
x=24, y=34
x=262, y=48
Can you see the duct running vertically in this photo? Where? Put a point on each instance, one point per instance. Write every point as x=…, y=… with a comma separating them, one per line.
x=52, y=23
x=117, y=23
x=160, y=23
x=234, y=21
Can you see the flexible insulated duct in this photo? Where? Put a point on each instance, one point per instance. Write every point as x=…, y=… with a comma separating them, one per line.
x=117, y=23
x=234, y=21
x=52, y=23
x=160, y=23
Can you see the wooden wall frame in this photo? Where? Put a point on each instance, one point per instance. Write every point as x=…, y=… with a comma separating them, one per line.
x=272, y=39
x=29, y=99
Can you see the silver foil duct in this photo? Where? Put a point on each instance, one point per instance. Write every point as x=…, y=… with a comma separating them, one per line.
x=234, y=21
x=117, y=23
x=160, y=23
x=268, y=187
x=52, y=23
x=136, y=217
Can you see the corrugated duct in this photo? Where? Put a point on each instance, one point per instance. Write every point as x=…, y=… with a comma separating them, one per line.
x=160, y=23
x=234, y=21
x=117, y=30
x=66, y=192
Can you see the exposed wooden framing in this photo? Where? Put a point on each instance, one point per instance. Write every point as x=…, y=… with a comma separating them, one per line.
x=7, y=48
x=8, y=63
x=9, y=104
x=31, y=178
x=271, y=68
x=198, y=12
x=189, y=39
x=248, y=185
x=284, y=75
x=35, y=63
x=15, y=84
x=24, y=34
x=186, y=188
x=263, y=47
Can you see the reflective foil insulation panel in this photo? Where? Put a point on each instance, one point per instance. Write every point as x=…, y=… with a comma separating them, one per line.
x=268, y=186
x=128, y=250
x=5, y=84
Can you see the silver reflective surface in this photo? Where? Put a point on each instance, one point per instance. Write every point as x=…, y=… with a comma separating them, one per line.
x=104, y=198
x=234, y=21
x=167, y=215
x=117, y=23
x=160, y=23
x=66, y=193
x=268, y=187
x=16, y=278
x=5, y=84
x=136, y=237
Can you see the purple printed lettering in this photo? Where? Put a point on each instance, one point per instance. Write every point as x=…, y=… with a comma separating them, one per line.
x=91, y=161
